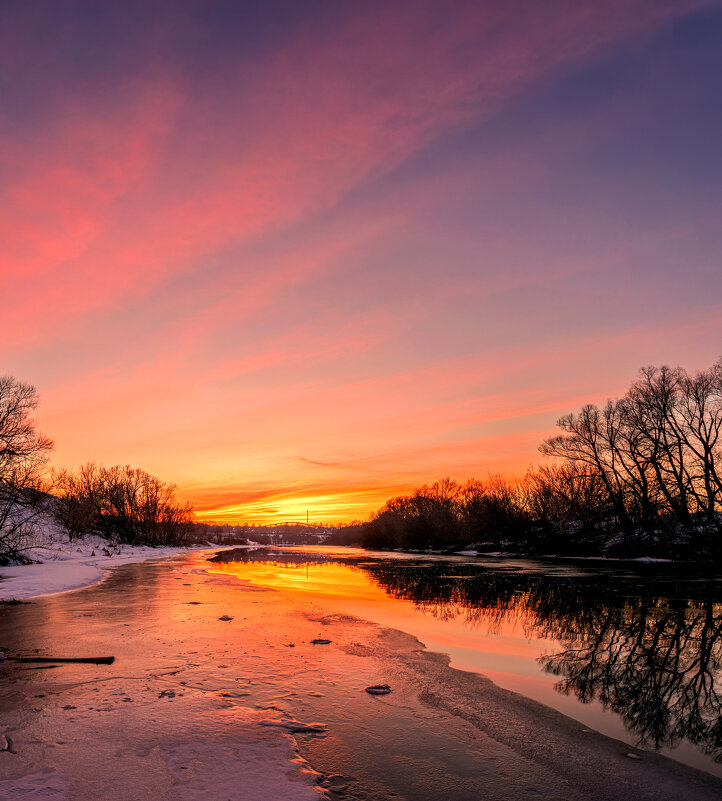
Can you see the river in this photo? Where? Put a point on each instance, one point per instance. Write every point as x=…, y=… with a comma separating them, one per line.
x=631, y=653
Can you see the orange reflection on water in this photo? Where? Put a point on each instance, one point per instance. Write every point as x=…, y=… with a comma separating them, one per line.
x=348, y=589
x=327, y=580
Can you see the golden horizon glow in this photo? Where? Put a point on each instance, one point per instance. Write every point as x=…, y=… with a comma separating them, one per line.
x=328, y=508
x=331, y=507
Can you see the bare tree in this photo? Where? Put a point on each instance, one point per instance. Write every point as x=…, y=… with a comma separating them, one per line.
x=640, y=475
x=657, y=452
x=568, y=504
x=122, y=503
x=23, y=456
x=592, y=438
x=699, y=413
x=493, y=512
x=76, y=509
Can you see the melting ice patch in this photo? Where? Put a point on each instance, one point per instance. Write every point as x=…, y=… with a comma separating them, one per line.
x=240, y=772
x=47, y=785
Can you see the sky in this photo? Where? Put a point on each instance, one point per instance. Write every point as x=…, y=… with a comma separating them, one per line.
x=301, y=257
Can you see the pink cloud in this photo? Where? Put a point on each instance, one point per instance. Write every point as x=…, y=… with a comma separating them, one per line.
x=114, y=197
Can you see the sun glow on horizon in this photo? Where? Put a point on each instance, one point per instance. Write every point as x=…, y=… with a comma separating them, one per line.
x=327, y=508
x=333, y=506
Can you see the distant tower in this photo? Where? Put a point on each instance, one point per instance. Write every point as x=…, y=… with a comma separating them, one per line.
x=306, y=516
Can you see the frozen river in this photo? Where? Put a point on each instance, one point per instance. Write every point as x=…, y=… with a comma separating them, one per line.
x=219, y=692
x=634, y=651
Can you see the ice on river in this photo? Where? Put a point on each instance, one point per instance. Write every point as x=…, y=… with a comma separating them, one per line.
x=248, y=771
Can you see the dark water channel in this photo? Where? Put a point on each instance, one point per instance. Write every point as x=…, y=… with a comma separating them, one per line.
x=632, y=650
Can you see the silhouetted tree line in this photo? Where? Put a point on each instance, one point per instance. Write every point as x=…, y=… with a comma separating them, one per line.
x=638, y=476
x=123, y=504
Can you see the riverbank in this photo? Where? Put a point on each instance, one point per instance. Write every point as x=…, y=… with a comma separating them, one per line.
x=204, y=706
x=161, y=722
x=642, y=560
x=59, y=565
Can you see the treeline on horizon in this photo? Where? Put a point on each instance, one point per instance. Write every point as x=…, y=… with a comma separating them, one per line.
x=122, y=504
x=638, y=476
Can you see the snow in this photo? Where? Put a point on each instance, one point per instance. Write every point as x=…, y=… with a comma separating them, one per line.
x=248, y=771
x=650, y=559
x=46, y=785
x=642, y=559
x=68, y=565
x=202, y=771
x=259, y=763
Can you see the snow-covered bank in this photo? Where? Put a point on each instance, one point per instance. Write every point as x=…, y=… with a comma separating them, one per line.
x=506, y=554
x=67, y=565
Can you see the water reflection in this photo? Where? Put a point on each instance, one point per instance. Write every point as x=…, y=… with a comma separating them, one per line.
x=656, y=666
x=646, y=643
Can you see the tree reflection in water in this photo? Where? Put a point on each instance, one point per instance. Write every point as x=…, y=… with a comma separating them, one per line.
x=655, y=665
x=646, y=643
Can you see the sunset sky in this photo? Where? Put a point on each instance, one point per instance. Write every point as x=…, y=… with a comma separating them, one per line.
x=303, y=256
